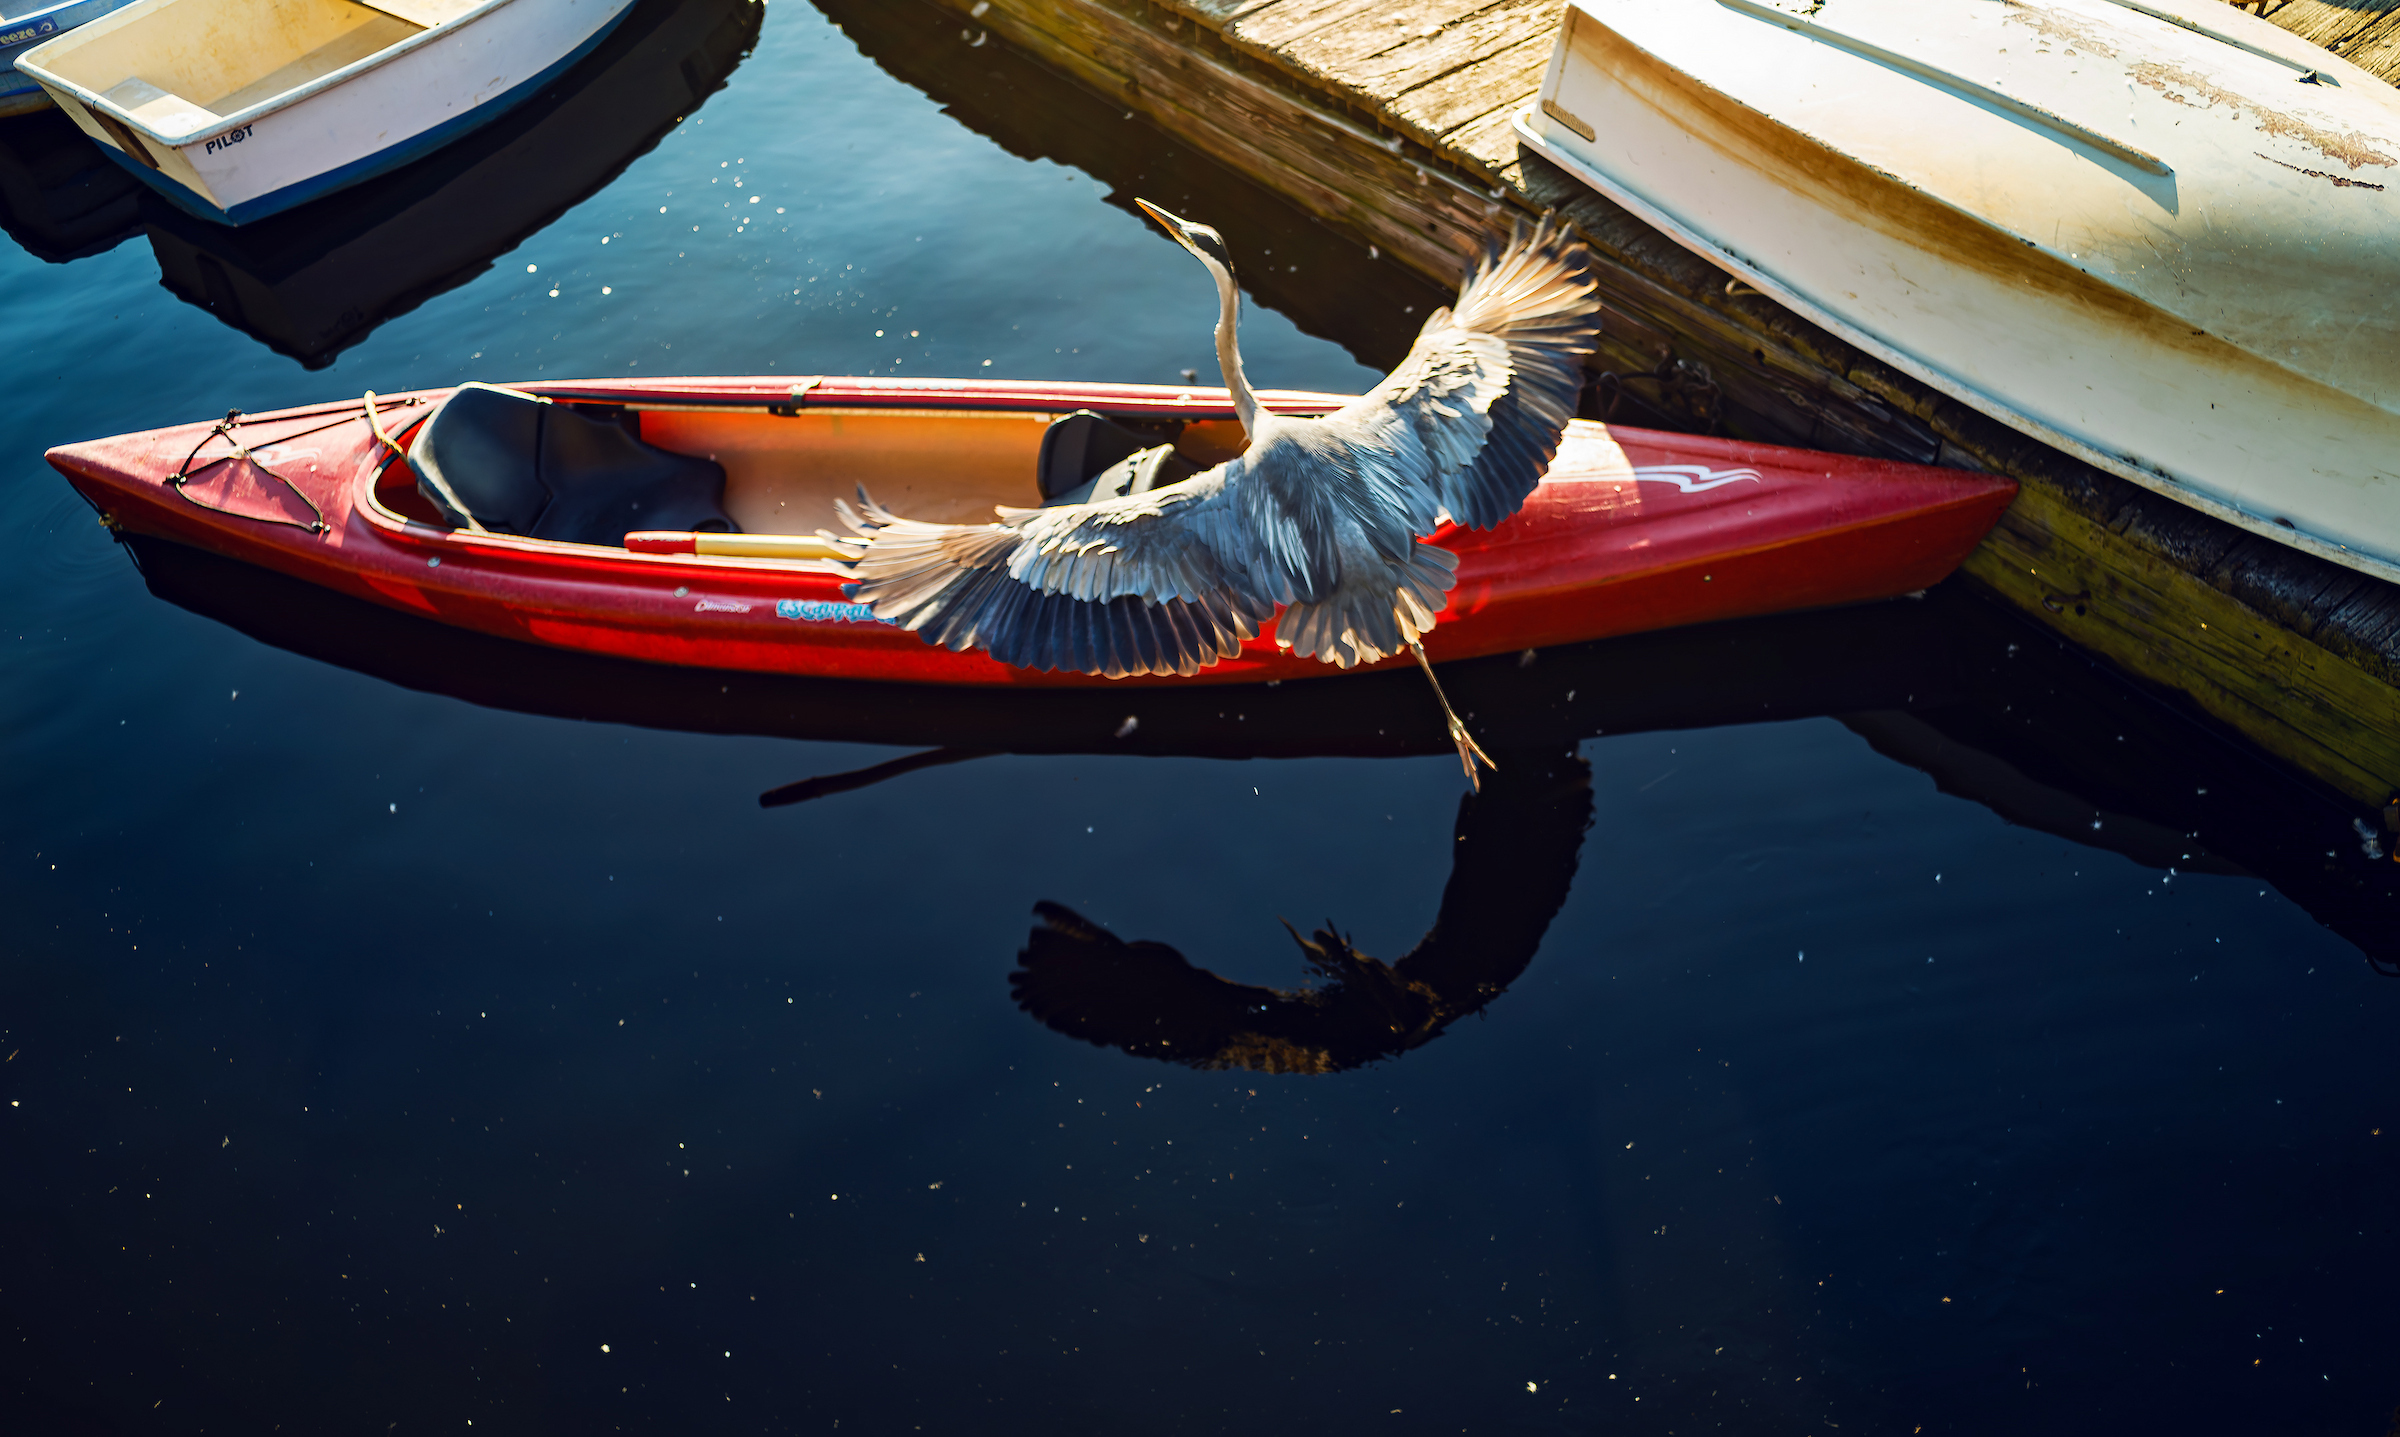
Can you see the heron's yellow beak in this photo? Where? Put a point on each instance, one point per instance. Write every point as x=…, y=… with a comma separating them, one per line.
x=1167, y=222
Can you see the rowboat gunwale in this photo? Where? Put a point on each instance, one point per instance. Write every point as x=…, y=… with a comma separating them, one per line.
x=140, y=9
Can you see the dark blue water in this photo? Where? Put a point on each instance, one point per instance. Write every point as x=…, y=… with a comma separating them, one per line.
x=1875, y=1021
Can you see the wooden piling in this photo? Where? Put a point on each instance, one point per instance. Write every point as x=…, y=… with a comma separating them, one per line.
x=1391, y=120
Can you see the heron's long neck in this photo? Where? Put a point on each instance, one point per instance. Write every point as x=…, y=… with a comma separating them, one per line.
x=1229, y=354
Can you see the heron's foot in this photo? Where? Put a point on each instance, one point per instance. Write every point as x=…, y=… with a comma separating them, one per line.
x=1470, y=753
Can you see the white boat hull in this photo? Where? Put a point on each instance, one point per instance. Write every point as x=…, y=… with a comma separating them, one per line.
x=251, y=164
x=2222, y=332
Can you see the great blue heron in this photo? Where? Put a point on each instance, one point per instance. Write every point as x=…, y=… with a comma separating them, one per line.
x=1321, y=517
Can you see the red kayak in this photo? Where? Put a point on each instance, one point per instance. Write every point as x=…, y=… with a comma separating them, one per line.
x=1631, y=530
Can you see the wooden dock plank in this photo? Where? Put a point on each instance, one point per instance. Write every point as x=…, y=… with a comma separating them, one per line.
x=1280, y=26
x=1489, y=140
x=2368, y=36
x=1402, y=142
x=1219, y=13
x=1453, y=36
x=1452, y=103
x=1221, y=108
x=1382, y=30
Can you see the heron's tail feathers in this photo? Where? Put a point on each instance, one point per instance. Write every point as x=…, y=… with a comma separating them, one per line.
x=952, y=585
x=1354, y=627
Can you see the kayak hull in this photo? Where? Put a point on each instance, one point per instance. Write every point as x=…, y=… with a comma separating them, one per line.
x=1632, y=530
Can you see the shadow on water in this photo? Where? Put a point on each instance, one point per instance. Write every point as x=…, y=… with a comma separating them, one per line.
x=316, y=280
x=1990, y=708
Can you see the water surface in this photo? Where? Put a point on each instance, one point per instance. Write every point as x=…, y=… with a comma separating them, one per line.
x=1881, y=1020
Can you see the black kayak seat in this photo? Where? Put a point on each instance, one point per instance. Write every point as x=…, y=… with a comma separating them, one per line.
x=1087, y=456
x=1136, y=473
x=522, y=465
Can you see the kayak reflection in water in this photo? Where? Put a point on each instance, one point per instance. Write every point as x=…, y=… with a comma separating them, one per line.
x=1516, y=844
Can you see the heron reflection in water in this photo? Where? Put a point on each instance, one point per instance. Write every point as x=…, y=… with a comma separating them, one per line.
x=1320, y=517
x=1516, y=844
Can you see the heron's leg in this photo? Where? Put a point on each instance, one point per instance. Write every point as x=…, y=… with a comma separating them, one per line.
x=1469, y=751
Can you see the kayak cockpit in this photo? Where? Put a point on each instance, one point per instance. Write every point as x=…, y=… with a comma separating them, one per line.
x=589, y=473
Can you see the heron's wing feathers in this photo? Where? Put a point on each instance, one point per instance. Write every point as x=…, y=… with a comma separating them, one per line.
x=1138, y=584
x=1384, y=602
x=1474, y=413
x=1321, y=515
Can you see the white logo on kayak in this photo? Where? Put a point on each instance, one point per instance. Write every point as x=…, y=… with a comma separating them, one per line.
x=282, y=454
x=1690, y=478
x=1694, y=478
x=720, y=606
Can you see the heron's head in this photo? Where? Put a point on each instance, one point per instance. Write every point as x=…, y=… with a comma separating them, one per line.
x=1199, y=239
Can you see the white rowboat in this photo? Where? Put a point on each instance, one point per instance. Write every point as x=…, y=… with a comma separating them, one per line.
x=236, y=109
x=2162, y=235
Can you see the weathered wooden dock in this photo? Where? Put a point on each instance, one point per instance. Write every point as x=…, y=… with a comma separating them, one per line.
x=1391, y=120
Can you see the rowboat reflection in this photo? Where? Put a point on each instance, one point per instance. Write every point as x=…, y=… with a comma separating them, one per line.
x=60, y=198
x=313, y=282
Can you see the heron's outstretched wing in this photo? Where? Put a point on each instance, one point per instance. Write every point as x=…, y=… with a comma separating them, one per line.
x=1321, y=515
x=1148, y=583
x=1474, y=413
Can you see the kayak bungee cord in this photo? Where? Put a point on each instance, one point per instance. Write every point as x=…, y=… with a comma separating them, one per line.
x=223, y=429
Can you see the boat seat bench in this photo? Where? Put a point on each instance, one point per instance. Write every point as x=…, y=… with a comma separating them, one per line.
x=425, y=13
x=1088, y=456
x=520, y=464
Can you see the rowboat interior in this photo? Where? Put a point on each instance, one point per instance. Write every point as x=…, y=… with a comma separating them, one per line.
x=783, y=472
x=183, y=63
